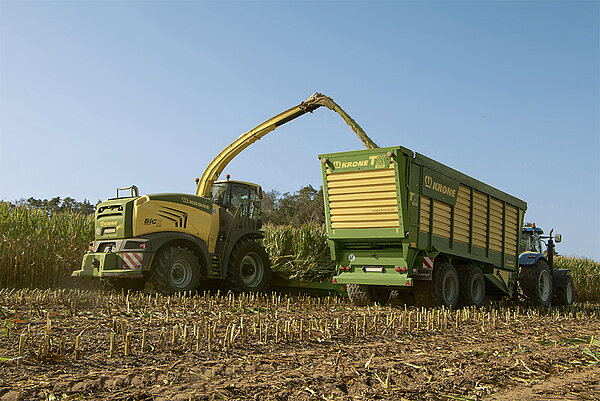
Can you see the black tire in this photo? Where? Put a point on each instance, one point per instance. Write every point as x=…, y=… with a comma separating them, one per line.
x=563, y=296
x=536, y=283
x=366, y=295
x=249, y=267
x=118, y=284
x=472, y=286
x=359, y=294
x=423, y=293
x=443, y=290
x=401, y=298
x=176, y=270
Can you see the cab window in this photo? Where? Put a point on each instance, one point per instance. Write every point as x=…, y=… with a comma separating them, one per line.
x=220, y=194
x=525, y=243
x=239, y=197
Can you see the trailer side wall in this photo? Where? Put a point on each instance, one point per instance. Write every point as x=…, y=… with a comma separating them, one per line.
x=388, y=208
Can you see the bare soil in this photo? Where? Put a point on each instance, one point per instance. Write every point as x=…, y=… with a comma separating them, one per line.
x=56, y=345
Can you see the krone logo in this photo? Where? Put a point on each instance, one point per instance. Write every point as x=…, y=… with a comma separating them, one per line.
x=441, y=188
x=428, y=181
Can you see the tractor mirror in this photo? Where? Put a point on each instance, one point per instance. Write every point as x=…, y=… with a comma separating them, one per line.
x=557, y=238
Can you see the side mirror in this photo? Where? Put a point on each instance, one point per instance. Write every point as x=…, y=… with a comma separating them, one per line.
x=260, y=193
x=557, y=238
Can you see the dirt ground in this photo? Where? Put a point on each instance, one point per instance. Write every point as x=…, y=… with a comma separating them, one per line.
x=56, y=345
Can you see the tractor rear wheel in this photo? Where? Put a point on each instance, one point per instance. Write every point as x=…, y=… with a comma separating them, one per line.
x=536, y=283
x=563, y=296
x=176, y=270
x=249, y=267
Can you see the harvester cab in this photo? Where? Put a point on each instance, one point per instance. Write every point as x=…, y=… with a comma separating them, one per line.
x=237, y=196
x=539, y=280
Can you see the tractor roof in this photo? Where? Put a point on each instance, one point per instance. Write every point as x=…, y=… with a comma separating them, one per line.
x=530, y=229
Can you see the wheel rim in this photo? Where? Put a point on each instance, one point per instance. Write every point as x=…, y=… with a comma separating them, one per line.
x=569, y=293
x=450, y=289
x=181, y=273
x=545, y=284
x=251, y=270
x=477, y=289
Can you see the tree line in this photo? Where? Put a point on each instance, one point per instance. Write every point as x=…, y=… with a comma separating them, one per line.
x=58, y=204
x=290, y=208
x=296, y=208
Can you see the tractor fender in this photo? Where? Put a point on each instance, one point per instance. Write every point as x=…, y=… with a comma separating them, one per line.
x=165, y=239
x=559, y=277
x=530, y=258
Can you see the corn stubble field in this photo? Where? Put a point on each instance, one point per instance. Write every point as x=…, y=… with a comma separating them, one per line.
x=93, y=344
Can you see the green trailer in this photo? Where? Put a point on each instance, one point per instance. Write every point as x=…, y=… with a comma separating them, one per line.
x=398, y=221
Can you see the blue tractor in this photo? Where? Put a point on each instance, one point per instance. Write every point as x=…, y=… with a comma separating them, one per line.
x=538, y=279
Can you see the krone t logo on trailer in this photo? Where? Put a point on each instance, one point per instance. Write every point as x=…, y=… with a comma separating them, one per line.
x=379, y=161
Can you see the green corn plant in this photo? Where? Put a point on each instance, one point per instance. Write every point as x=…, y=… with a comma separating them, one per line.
x=586, y=276
x=299, y=252
x=38, y=249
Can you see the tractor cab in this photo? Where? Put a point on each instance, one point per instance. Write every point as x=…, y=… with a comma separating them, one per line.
x=533, y=247
x=530, y=239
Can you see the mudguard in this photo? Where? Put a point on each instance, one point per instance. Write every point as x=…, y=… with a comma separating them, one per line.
x=530, y=258
x=559, y=277
x=160, y=239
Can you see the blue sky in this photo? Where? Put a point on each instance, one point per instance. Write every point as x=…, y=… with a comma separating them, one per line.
x=95, y=95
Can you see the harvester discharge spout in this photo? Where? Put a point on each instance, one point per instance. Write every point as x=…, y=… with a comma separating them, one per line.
x=215, y=167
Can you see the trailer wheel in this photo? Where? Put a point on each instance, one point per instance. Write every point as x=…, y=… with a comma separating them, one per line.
x=564, y=296
x=400, y=298
x=445, y=285
x=443, y=290
x=249, y=267
x=365, y=295
x=536, y=283
x=472, y=286
x=176, y=270
x=118, y=284
x=423, y=291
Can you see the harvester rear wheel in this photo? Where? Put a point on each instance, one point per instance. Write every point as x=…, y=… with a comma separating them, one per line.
x=249, y=267
x=563, y=296
x=536, y=283
x=472, y=286
x=176, y=270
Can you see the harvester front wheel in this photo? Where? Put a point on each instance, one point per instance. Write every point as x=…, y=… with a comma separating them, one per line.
x=563, y=296
x=536, y=283
x=472, y=286
x=176, y=270
x=249, y=267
